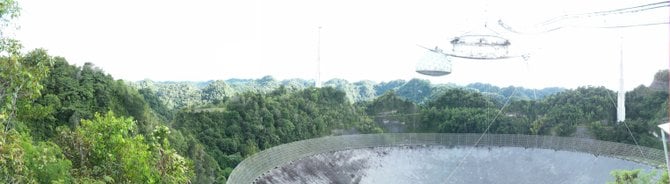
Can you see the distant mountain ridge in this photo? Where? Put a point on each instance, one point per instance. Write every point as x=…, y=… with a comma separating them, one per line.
x=181, y=94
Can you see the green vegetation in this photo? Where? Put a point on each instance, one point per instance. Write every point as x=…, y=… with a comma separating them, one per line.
x=61, y=123
x=178, y=95
x=637, y=177
x=107, y=149
x=78, y=125
x=250, y=122
x=52, y=130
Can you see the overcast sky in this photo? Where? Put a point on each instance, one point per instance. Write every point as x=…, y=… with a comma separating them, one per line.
x=360, y=40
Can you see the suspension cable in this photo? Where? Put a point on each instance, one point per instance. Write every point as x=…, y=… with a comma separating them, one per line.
x=483, y=134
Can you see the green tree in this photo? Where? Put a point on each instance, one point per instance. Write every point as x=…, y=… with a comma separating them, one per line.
x=47, y=162
x=637, y=177
x=21, y=160
x=216, y=92
x=415, y=90
x=459, y=98
x=108, y=149
x=172, y=167
x=384, y=87
x=20, y=81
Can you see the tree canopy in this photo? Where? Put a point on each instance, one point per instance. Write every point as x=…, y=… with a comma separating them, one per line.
x=63, y=123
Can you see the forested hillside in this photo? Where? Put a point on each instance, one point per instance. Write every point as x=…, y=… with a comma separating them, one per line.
x=178, y=95
x=84, y=126
x=250, y=122
x=67, y=124
x=592, y=109
x=63, y=123
x=242, y=124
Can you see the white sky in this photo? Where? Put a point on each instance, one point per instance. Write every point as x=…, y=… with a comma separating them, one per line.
x=372, y=40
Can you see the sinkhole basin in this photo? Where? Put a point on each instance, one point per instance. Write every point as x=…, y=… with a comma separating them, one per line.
x=444, y=158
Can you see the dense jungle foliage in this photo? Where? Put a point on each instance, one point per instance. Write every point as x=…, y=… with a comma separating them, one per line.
x=62, y=123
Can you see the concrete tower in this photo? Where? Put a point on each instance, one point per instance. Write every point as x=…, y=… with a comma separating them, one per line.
x=621, y=97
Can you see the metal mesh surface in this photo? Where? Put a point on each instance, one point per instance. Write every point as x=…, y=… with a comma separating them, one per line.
x=254, y=166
